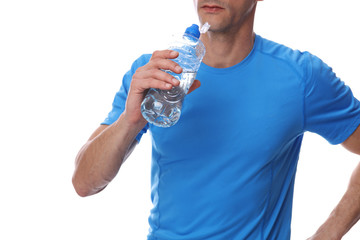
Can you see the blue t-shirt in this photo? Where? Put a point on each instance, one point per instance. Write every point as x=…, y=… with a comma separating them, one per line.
x=226, y=170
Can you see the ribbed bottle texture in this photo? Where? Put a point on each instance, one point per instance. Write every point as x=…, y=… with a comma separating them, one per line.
x=163, y=107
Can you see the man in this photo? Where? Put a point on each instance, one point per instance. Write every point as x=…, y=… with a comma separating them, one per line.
x=226, y=170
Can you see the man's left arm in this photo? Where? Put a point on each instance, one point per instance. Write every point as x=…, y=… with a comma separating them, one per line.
x=347, y=212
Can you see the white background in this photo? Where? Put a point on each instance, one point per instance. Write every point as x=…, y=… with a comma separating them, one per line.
x=61, y=63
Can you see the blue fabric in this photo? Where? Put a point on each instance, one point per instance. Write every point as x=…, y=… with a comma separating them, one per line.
x=226, y=170
x=118, y=105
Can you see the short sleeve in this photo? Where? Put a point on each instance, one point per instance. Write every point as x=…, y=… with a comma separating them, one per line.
x=330, y=108
x=118, y=105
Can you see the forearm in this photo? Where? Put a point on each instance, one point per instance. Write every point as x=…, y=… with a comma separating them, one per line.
x=99, y=160
x=346, y=213
x=101, y=157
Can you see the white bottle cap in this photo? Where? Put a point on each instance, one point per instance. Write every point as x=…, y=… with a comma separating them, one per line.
x=205, y=27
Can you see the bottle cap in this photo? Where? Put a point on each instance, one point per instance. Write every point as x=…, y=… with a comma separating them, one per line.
x=205, y=28
x=193, y=30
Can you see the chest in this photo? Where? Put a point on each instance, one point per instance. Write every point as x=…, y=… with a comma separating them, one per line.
x=248, y=113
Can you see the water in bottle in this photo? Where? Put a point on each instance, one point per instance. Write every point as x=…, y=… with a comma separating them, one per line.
x=163, y=107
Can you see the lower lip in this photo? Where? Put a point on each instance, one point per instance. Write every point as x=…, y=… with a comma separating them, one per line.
x=212, y=9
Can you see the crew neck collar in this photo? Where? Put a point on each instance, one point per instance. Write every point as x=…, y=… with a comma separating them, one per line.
x=241, y=64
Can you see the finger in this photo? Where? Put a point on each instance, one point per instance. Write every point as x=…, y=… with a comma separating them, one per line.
x=158, y=75
x=196, y=84
x=165, y=64
x=164, y=76
x=170, y=54
x=154, y=83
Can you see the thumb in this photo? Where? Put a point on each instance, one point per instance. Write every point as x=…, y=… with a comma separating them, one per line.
x=194, y=86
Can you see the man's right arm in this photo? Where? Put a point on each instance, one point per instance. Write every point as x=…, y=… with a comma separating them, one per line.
x=99, y=160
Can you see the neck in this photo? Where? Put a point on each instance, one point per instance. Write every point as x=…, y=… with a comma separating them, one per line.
x=226, y=49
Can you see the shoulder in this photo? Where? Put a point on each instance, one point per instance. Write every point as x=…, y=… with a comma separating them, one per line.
x=281, y=52
x=140, y=61
x=299, y=61
x=127, y=77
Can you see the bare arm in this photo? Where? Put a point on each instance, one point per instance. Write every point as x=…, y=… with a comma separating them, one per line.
x=100, y=159
x=347, y=212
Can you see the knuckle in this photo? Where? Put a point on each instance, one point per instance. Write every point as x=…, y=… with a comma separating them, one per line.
x=153, y=72
x=153, y=84
x=162, y=54
x=169, y=64
x=153, y=62
x=135, y=81
x=174, y=67
x=136, y=77
x=174, y=64
x=157, y=54
x=137, y=71
x=169, y=78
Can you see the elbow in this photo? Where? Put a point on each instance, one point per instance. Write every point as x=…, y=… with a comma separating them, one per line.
x=82, y=193
x=80, y=189
x=83, y=189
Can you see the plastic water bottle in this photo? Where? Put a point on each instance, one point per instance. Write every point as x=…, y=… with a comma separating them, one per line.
x=163, y=107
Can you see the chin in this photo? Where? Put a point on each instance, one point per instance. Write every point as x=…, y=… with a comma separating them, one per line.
x=216, y=27
x=216, y=24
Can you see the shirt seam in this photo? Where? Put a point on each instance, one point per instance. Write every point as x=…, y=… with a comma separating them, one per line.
x=246, y=61
x=158, y=192
x=282, y=60
x=347, y=131
x=158, y=204
x=305, y=94
x=268, y=200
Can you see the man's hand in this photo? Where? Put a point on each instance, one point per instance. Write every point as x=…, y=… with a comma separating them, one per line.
x=152, y=75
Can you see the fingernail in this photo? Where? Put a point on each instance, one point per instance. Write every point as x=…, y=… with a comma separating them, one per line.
x=168, y=85
x=173, y=53
x=178, y=69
